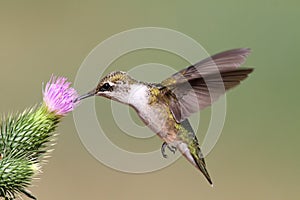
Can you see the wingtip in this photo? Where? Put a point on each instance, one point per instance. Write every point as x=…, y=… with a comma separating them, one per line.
x=245, y=51
x=248, y=51
x=248, y=70
x=242, y=51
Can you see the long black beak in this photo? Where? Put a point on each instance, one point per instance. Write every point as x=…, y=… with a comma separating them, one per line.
x=89, y=94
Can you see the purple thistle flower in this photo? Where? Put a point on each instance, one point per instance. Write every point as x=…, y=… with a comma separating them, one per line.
x=59, y=96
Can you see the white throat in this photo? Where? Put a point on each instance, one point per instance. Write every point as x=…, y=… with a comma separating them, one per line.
x=138, y=96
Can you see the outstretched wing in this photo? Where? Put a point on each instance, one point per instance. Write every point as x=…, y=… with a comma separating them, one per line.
x=199, y=85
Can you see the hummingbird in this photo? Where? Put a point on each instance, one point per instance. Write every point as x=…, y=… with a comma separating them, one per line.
x=165, y=107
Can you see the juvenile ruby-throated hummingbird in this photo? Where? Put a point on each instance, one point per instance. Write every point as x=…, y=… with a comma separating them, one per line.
x=164, y=107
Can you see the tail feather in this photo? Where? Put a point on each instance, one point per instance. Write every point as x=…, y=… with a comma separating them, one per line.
x=201, y=165
x=193, y=155
x=200, y=162
x=189, y=147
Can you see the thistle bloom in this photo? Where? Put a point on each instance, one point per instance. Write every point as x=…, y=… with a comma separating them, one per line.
x=25, y=138
x=59, y=96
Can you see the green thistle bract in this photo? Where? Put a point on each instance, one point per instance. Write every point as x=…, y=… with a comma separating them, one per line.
x=25, y=138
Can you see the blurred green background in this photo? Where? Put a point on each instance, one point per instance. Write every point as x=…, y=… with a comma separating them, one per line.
x=257, y=156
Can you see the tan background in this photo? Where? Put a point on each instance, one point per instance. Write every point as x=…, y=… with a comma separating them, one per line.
x=257, y=156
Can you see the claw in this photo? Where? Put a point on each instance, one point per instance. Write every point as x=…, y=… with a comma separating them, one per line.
x=163, y=149
x=170, y=147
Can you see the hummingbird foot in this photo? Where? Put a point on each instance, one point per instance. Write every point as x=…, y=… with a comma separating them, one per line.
x=170, y=147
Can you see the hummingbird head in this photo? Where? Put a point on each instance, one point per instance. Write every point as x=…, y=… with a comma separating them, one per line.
x=116, y=85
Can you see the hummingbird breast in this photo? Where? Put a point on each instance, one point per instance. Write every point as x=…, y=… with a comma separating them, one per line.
x=154, y=112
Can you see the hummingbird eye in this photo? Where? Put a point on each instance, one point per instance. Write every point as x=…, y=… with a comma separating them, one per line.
x=105, y=87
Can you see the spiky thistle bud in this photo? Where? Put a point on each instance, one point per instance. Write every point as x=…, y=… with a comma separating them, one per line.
x=25, y=138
